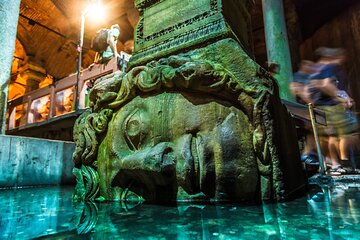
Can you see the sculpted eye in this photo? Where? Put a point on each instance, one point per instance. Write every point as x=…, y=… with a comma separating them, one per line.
x=134, y=129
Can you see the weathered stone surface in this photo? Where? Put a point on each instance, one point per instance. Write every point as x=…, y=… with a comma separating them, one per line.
x=193, y=126
x=202, y=125
x=31, y=162
x=173, y=139
x=9, y=13
x=168, y=27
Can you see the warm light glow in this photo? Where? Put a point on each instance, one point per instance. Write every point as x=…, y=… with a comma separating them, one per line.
x=48, y=80
x=95, y=12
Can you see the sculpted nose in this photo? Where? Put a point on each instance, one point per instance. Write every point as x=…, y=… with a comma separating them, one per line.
x=159, y=159
x=149, y=172
x=167, y=160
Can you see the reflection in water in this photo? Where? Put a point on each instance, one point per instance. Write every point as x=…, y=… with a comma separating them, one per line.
x=340, y=205
x=29, y=213
x=88, y=218
x=328, y=213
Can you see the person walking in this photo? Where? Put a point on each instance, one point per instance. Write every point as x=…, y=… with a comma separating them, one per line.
x=326, y=95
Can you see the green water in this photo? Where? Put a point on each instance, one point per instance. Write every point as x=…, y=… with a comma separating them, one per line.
x=50, y=214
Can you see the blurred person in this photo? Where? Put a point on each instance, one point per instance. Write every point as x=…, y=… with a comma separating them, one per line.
x=68, y=99
x=59, y=103
x=298, y=89
x=64, y=101
x=40, y=110
x=326, y=95
x=35, y=111
x=300, y=80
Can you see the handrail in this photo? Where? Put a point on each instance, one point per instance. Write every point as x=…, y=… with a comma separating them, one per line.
x=315, y=117
x=27, y=101
x=301, y=112
x=317, y=141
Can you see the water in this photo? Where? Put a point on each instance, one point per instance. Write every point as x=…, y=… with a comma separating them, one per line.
x=49, y=213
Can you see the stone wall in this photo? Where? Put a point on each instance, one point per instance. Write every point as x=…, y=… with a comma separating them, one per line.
x=31, y=162
x=344, y=32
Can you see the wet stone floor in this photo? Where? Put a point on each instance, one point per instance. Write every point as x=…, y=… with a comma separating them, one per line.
x=49, y=213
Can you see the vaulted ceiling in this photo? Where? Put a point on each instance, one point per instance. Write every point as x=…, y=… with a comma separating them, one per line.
x=48, y=30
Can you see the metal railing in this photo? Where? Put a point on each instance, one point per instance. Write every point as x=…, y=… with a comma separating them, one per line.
x=315, y=117
x=55, y=100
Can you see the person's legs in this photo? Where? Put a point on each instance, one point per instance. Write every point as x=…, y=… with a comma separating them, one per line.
x=347, y=147
x=344, y=147
x=309, y=145
x=346, y=127
x=333, y=147
x=336, y=164
x=337, y=127
x=340, y=151
x=344, y=150
x=309, y=154
x=324, y=143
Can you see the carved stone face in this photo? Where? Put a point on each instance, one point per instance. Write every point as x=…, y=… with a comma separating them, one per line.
x=178, y=144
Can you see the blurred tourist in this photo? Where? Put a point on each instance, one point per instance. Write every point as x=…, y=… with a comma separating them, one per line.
x=299, y=89
x=326, y=95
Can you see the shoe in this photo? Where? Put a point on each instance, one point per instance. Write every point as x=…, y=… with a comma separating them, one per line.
x=310, y=159
x=339, y=170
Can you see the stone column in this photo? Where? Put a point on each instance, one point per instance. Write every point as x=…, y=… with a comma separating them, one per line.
x=277, y=44
x=33, y=75
x=9, y=14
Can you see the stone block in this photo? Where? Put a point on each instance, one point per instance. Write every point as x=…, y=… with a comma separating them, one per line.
x=32, y=162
